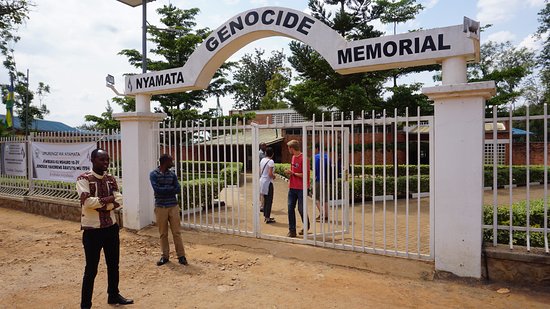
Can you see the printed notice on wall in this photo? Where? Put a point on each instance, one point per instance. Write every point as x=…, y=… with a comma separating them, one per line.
x=62, y=162
x=14, y=159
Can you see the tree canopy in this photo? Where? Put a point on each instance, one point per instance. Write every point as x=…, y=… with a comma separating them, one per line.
x=320, y=89
x=260, y=82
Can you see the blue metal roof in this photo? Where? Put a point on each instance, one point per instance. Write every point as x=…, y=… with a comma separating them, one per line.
x=42, y=125
x=516, y=131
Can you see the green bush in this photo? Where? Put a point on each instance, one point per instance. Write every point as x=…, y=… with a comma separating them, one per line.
x=401, y=170
x=208, y=166
x=519, y=175
x=200, y=192
x=519, y=218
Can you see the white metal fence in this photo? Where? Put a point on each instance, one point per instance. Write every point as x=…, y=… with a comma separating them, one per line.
x=516, y=214
x=373, y=204
x=28, y=185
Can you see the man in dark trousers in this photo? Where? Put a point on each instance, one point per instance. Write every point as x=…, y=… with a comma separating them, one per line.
x=99, y=197
x=166, y=186
x=296, y=187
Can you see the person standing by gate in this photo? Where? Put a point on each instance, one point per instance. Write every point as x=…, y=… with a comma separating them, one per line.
x=267, y=166
x=322, y=181
x=165, y=185
x=296, y=187
x=99, y=196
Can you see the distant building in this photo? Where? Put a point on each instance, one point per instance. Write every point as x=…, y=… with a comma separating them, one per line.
x=40, y=125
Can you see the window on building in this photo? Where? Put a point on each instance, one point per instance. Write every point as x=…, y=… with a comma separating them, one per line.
x=489, y=153
x=288, y=118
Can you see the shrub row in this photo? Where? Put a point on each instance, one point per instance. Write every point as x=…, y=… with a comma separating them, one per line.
x=401, y=170
x=519, y=175
x=230, y=171
x=519, y=218
x=201, y=192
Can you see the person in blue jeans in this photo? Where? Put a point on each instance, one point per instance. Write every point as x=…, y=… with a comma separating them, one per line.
x=296, y=187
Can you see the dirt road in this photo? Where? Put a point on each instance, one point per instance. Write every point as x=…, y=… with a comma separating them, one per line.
x=41, y=264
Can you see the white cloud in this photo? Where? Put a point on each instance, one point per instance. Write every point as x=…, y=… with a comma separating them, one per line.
x=492, y=11
x=532, y=42
x=536, y=3
x=501, y=36
x=231, y=2
x=259, y=2
x=428, y=4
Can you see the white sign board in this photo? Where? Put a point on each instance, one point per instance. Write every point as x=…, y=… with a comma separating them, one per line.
x=382, y=53
x=14, y=159
x=62, y=162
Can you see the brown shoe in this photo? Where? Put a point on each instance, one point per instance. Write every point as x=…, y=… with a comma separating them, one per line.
x=291, y=234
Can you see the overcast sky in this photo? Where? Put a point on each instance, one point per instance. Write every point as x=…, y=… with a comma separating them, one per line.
x=72, y=45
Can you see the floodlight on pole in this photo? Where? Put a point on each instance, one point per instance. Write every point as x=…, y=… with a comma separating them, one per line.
x=134, y=3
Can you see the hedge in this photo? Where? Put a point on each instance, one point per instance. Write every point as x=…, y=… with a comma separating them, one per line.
x=519, y=175
x=200, y=192
x=378, y=169
x=519, y=218
x=230, y=171
x=401, y=170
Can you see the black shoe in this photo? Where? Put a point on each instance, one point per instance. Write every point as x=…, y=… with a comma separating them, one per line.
x=269, y=220
x=291, y=234
x=301, y=232
x=118, y=299
x=162, y=261
x=182, y=260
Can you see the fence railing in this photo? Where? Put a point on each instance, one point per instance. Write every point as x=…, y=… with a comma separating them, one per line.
x=517, y=153
x=378, y=197
x=23, y=182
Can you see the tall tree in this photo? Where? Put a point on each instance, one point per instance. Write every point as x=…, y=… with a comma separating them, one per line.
x=508, y=66
x=105, y=122
x=174, y=43
x=319, y=87
x=252, y=76
x=13, y=13
x=543, y=31
x=276, y=88
x=400, y=11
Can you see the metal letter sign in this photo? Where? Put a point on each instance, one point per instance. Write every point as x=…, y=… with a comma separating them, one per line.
x=382, y=53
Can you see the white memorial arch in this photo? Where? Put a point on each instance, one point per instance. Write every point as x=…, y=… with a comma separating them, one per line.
x=459, y=113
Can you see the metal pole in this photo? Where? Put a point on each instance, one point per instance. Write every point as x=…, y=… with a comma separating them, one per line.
x=27, y=123
x=144, y=38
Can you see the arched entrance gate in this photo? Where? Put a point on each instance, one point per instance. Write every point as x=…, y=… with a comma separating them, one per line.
x=458, y=115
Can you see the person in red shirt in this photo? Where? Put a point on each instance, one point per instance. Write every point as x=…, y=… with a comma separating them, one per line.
x=296, y=187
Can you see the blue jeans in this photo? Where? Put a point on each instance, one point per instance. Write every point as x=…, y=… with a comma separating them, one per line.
x=293, y=196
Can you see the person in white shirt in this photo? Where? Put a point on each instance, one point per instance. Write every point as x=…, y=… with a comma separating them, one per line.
x=267, y=174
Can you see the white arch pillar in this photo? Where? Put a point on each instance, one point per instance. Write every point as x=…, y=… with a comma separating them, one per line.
x=138, y=153
x=459, y=110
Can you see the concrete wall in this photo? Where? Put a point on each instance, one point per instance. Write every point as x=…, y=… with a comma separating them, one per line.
x=518, y=266
x=48, y=207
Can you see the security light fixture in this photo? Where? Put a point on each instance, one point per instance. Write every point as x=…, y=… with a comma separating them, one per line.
x=134, y=3
x=110, y=80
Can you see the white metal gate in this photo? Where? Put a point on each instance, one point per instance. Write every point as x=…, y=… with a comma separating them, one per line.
x=372, y=205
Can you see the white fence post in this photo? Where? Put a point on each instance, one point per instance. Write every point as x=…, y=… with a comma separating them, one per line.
x=138, y=159
x=458, y=172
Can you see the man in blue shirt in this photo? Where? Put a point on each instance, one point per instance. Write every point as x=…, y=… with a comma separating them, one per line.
x=166, y=186
x=322, y=181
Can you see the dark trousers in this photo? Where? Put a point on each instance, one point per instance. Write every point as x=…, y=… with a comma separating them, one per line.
x=295, y=195
x=94, y=240
x=268, y=202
